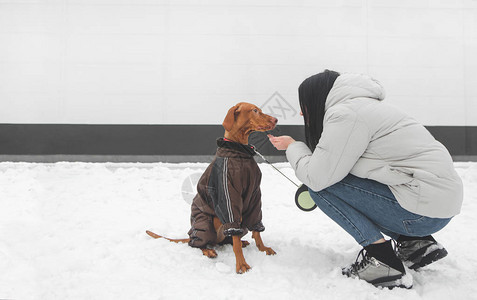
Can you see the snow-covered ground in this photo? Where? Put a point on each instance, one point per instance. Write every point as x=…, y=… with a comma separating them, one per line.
x=77, y=231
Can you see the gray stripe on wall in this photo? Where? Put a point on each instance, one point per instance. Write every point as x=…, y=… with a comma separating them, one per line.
x=168, y=143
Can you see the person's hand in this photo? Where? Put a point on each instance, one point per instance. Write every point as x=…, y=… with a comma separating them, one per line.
x=280, y=142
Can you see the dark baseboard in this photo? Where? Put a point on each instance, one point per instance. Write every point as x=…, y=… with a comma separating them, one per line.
x=170, y=143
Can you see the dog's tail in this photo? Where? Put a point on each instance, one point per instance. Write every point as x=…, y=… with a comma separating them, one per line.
x=156, y=236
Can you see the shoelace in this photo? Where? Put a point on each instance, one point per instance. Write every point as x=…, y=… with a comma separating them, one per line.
x=358, y=265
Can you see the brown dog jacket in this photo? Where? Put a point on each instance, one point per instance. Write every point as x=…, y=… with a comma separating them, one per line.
x=230, y=190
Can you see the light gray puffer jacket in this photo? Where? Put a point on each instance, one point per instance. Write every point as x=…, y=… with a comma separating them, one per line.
x=370, y=139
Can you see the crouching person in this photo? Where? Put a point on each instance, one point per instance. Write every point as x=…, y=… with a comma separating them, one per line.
x=374, y=170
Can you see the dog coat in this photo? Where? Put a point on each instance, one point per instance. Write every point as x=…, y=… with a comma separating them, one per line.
x=230, y=190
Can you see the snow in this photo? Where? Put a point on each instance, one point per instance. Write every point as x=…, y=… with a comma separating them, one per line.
x=77, y=231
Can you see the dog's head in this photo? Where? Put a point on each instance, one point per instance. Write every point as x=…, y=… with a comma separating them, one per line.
x=247, y=118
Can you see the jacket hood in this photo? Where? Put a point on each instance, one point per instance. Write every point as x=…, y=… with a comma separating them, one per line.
x=349, y=86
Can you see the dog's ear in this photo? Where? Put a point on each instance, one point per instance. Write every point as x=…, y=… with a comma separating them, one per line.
x=230, y=117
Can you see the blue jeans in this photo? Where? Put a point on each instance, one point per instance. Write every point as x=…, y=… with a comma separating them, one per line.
x=366, y=208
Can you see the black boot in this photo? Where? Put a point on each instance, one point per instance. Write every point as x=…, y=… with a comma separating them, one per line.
x=417, y=252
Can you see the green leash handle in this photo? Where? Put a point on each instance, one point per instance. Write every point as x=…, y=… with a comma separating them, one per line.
x=303, y=199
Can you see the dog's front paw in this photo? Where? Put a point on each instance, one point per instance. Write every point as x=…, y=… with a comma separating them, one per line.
x=269, y=251
x=245, y=244
x=242, y=267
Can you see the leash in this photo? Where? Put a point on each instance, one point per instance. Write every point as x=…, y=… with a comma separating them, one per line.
x=266, y=160
x=303, y=199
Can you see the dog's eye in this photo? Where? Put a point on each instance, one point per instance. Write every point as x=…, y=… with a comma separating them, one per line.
x=255, y=110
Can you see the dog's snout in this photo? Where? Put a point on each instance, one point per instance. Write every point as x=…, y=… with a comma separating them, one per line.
x=273, y=122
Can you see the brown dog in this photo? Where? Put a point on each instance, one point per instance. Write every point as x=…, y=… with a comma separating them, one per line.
x=228, y=202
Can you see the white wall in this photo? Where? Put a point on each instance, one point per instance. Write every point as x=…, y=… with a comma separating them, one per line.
x=188, y=61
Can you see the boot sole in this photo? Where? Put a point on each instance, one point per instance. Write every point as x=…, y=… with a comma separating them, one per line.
x=403, y=281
